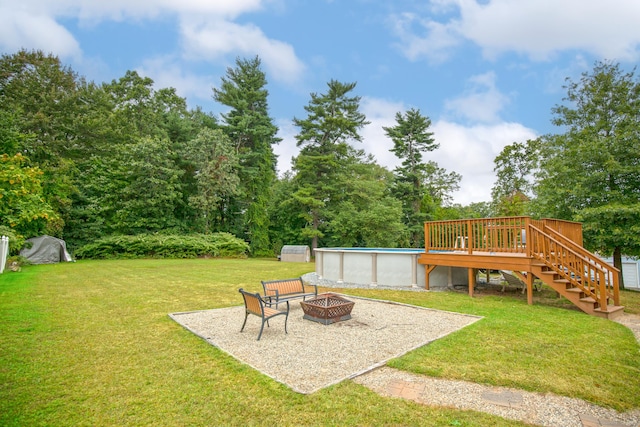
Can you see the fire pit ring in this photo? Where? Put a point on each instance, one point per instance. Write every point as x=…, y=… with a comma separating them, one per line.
x=327, y=308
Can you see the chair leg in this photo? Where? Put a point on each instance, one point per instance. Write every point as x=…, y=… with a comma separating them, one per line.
x=261, y=328
x=285, y=322
x=286, y=317
x=246, y=314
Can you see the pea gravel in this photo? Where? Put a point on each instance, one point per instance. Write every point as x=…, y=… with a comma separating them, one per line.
x=312, y=355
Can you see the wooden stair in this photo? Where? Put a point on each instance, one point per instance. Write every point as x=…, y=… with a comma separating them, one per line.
x=578, y=295
x=549, y=249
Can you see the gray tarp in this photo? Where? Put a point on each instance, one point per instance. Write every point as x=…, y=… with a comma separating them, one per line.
x=46, y=250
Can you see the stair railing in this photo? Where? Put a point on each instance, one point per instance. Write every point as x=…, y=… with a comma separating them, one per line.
x=572, y=262
x=611, y=273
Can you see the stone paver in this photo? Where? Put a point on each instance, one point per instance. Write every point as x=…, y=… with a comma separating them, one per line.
x=536, y=408
x=543, y=409
x=507, y=398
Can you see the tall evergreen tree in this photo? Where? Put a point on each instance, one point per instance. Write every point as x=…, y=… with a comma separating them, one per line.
x=253, y=133
x=411, y=139
x=333, y=122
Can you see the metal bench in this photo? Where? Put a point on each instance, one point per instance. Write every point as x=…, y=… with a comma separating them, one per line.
x=277, y=291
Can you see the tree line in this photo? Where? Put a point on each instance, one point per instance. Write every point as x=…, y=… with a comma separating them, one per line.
x=123, y=158
x=82, y=161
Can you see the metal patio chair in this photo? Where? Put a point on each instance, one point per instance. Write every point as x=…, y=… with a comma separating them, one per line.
x=254, y=304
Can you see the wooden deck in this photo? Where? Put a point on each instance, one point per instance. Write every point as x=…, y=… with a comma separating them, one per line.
x=549, y=250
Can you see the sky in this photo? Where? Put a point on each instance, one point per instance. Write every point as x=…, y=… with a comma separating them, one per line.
x=487, y=73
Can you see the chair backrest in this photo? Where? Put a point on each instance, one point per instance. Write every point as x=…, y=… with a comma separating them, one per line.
x=512, y=279
x=252, y=302
x=286, y=286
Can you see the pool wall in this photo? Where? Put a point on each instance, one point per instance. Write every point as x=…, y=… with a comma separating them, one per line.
x=383, y=267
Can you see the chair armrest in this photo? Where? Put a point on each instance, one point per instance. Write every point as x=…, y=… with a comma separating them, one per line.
x=271, y=298
x=315, y=288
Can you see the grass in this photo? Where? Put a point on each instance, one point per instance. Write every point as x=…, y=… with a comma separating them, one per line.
x=90, y=343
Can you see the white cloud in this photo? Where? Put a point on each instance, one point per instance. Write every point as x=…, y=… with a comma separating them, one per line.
x=92, y=11
x=536, y=28
x=481, y=102
x=287, y=148
x=380, y=113
x=167, y=72
x=436, y=44
x=20, y=29
x=470, y=151
x=213, y=38
x=207, y=29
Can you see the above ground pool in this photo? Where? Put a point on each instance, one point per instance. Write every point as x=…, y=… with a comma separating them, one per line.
x=384, y=267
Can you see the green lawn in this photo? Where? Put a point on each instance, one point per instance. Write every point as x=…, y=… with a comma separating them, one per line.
x=90, y=343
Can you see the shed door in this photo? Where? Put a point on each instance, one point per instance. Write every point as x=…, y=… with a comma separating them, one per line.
x=630, y=273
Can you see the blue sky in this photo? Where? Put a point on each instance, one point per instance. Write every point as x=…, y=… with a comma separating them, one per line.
x=486, y=72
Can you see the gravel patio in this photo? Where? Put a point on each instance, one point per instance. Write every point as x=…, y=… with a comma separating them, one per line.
x=312, y=355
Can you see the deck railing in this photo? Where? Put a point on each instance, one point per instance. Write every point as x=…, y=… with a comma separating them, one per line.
x=504, y=234
x=572, y=262
x=500, y=234
x=555, y=242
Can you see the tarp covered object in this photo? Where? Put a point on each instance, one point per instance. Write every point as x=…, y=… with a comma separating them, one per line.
x=46, y=250
x=295, y=253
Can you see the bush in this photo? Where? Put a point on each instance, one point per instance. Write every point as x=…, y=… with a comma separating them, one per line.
x=165, y=246
x=16, y=241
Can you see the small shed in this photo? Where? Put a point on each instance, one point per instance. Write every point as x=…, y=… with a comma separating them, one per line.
x=295, y=253
x=630, y=272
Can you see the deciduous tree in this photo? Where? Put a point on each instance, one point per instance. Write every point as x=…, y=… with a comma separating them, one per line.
x=515, y=168
x=42, y=94
x=591, y=172
x=23, y=207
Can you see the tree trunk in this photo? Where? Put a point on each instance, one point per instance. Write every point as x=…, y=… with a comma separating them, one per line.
x=617, y=263
x=314, y=240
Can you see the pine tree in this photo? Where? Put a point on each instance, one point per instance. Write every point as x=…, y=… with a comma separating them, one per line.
x=333, y=121
x=253, y=133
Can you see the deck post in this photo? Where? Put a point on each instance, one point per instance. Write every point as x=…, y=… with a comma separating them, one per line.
x=529, y=282
x=472, y=280
x=427, y=271
x=527, y=236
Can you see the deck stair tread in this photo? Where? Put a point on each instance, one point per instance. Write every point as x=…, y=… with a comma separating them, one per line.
x=611, y=312
x=611, y=308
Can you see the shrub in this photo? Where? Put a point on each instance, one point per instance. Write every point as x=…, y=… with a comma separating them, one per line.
x=16, y=241
x=165, y=246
